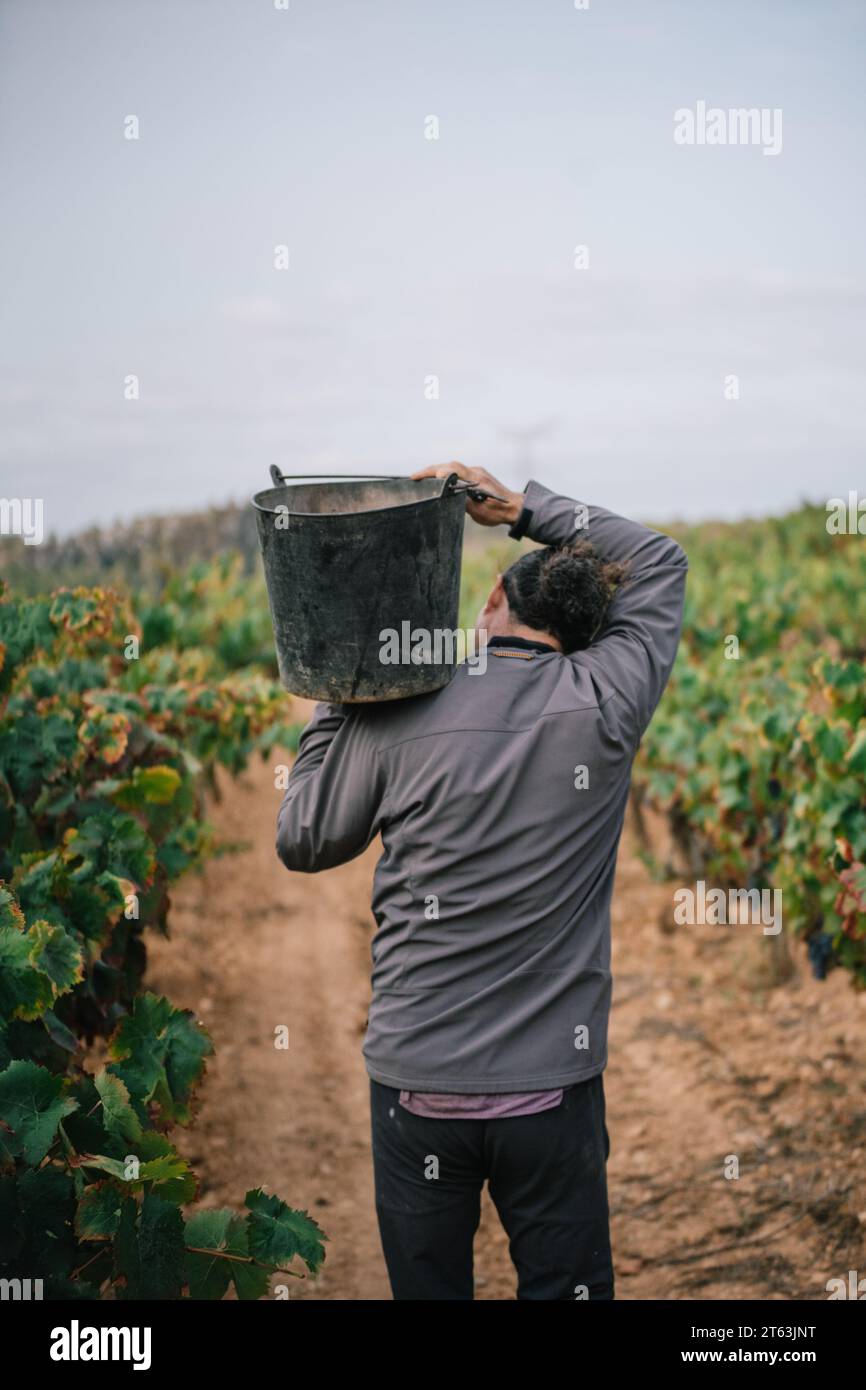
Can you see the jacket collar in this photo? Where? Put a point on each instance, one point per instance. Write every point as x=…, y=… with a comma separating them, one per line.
x=523, y=643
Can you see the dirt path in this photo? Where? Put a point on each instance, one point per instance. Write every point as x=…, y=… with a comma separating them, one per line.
x=705, y=1062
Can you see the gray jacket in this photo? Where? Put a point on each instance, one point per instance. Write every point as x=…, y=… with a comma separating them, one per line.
x=491, y=962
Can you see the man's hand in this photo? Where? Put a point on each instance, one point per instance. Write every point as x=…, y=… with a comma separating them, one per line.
x=488, y=512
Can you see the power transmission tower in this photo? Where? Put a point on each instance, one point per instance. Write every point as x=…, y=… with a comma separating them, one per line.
x=524, y=440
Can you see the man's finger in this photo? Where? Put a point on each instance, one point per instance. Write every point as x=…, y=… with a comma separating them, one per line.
x=442, y=470
x=430, y=473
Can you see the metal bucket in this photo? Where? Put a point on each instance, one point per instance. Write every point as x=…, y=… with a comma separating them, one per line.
x=347, y=559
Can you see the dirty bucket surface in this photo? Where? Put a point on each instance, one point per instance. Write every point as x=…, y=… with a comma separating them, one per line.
x=345, y=563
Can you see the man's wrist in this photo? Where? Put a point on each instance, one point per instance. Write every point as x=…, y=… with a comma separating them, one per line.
x=515, y=507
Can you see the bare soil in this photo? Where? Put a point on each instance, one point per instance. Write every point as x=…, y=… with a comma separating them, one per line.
x=708, y=1059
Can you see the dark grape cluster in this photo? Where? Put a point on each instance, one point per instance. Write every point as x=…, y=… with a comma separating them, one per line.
x=820, y=954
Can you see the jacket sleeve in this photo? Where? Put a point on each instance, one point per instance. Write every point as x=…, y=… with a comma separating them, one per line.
x=636, y=647
x=331, y=809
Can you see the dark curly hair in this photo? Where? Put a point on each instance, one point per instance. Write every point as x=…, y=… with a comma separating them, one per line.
x=564, y=590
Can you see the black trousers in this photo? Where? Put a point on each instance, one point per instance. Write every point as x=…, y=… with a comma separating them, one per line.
x=547, y=1179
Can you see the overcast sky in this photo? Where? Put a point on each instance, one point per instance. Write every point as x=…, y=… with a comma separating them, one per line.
x=412, y=257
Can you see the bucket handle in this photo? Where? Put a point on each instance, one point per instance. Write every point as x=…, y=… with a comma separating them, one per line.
x=453, y=483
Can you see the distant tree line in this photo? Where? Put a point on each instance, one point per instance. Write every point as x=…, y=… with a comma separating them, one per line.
x=139, y=553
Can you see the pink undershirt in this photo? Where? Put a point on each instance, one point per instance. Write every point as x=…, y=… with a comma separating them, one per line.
x=434, y=1105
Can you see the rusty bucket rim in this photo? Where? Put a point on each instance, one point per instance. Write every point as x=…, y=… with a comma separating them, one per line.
x=352, y=478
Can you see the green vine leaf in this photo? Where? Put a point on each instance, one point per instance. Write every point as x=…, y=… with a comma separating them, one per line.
x=159, y=1054
x=32, y=1104
x=118, y=1116
x=277, y=1233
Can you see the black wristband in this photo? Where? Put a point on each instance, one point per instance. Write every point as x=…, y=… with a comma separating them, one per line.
x=519, y=528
